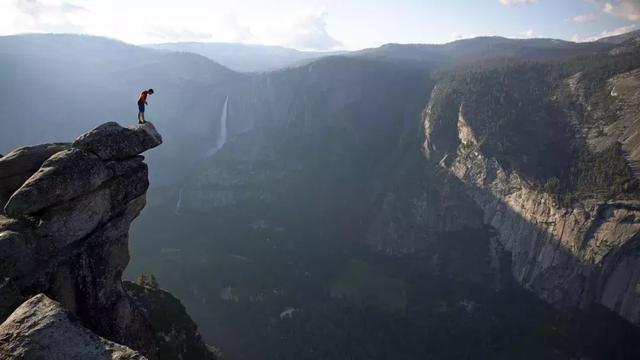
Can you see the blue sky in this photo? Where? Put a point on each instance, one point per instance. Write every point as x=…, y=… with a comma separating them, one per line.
x=321, y=24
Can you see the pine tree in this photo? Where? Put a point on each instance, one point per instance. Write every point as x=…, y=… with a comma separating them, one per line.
x=142, y=279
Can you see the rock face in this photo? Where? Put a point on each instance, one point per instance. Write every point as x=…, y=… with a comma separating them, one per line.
x=42, y=329
x=110, y=141
x=177, y=334
x=569, y=255
x=626, y=89
x=17, y=166
x=64, y=231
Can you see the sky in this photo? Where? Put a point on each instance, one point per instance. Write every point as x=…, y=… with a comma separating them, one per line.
x=321, y=24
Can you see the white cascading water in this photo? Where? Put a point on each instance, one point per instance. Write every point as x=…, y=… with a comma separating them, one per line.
x=222, y=135
x=179, y=203
x=222, y=139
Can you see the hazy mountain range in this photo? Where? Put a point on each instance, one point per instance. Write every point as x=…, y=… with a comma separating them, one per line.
x=246, y=57
x=477, y=199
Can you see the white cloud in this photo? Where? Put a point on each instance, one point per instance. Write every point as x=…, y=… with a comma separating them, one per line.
x=309, y=32
x=53, y=16
x=141, y=23
x=517, y=2
x=584, y=18
x=39, y=8
x=608, y=33
x=627, y=9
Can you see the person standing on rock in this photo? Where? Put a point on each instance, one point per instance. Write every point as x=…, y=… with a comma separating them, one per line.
x=142, y=101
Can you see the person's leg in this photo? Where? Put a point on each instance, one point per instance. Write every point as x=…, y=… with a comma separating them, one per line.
x=140, y=113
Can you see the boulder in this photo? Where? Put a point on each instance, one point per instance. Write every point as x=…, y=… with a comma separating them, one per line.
x=17, y=166
x=111, y=141
x=28, y=158
x=64, y=176
x=41, y=328
x=73, y=220
x=93, y=158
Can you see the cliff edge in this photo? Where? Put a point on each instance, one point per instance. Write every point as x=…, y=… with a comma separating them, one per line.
x=552, y=164
x=64, y=227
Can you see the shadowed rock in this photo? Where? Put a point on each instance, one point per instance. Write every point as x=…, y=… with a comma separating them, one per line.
x=178, y=337
x=16, y=255
x=17, y=166
x=42, y=329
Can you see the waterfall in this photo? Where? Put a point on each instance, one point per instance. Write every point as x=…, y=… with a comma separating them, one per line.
x=220, y=141
x=179, y=203
x=222, y=134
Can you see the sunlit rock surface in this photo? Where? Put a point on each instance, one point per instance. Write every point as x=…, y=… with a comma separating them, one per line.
x=42, y=329
x=569, y=255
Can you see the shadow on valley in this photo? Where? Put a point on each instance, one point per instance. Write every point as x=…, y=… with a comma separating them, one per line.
x=323, y=233
x=293, y=274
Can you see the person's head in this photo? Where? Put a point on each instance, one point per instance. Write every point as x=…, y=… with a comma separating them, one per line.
x=150, y=91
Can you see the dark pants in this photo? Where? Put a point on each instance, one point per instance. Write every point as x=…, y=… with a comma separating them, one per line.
x=141, y=107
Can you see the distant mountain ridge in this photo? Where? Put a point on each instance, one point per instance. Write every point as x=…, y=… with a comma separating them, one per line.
x=246, y=57
x=263, y=58
x=619, y=39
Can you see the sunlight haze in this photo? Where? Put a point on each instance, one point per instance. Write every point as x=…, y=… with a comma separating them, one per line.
x=321, y=24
